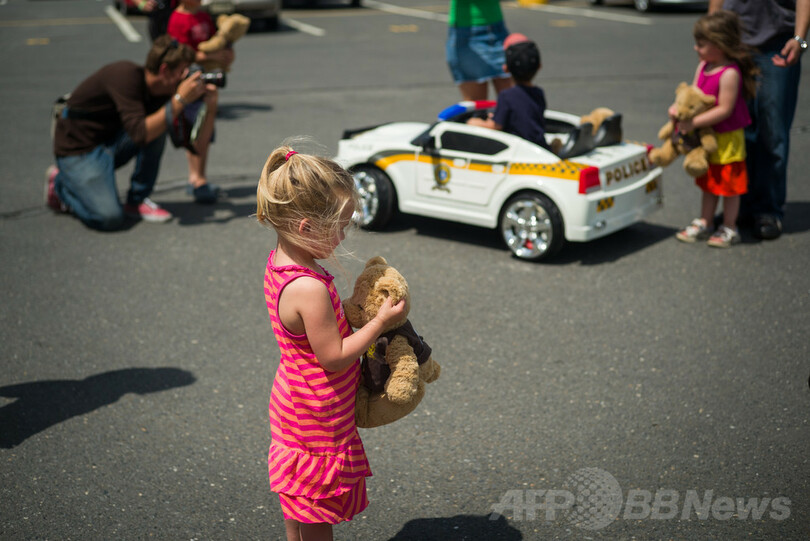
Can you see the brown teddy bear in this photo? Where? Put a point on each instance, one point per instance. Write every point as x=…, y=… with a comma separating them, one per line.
x=596, y=117
x=696, y=145
x=229, y=29
x=396, y=367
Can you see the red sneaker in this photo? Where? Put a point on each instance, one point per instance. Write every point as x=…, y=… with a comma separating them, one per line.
x=51, y=199
x=148, y=211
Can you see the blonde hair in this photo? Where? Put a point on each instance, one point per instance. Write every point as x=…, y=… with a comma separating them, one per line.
x=295, y=186
x=724, y=29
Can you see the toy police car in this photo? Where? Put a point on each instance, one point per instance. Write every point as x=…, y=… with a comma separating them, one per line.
x=594, y=185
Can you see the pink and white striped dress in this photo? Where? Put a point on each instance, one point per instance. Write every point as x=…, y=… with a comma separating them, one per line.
x=317, y=462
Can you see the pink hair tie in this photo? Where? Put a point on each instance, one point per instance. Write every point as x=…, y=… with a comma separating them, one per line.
x=290, y=153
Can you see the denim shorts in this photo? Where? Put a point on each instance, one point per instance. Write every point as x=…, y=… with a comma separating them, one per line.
x=475, y=53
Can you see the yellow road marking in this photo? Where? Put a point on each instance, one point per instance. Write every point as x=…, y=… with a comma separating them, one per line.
x=37, y=41
x=563, y=23
x=54, y=22
x=400, y=28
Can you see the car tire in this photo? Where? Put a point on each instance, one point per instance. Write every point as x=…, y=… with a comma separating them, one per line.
x=531, y=226
x=643, y=6
x=377, y=197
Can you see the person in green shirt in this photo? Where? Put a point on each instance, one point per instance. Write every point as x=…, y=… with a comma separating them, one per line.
x=474, y=47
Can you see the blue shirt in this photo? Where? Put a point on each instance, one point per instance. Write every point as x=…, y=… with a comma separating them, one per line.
x=520, y=111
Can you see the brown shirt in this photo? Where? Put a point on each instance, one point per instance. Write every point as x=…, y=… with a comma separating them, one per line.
x=113, y=98
x=375, y=367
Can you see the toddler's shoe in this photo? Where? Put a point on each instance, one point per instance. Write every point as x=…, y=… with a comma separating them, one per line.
x=148, y=211
x=205, y=195
x=724, y=237
x=697, y=230
x=51, y=199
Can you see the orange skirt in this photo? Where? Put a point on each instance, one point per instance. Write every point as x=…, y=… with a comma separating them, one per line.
x=330, y=510
x=725, y=180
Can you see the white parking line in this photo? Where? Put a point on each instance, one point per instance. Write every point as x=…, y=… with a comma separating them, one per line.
x=304, y=27
x=431, y=16
x=123, y=25
x=592, y=13
x=410, y=12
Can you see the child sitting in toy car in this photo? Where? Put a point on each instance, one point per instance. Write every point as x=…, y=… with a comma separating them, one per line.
x=520, y=109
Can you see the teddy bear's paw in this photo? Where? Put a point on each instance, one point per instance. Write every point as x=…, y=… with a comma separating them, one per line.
x=696, y=168
x=430, y=371
x=401, y=390
x=659, y=157
x=709, y=143
x=665, y=132
x=401, y=396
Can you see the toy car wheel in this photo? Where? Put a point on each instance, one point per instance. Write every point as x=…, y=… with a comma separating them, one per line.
x=376, y=197
x=531, y=226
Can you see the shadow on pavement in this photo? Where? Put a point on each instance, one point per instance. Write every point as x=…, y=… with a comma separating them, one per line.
x=615, y=246
x=230, y=206
x=232, y=111
x=42, y=404
x=611, y=248
x=458, y=527
x=797, y=217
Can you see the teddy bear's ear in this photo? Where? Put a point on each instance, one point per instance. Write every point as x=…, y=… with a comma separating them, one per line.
x=391, y=287
x=681, y=86
x=376, y=260
x=221, y=19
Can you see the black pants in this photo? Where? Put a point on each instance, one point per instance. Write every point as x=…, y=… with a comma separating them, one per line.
x=159, y=18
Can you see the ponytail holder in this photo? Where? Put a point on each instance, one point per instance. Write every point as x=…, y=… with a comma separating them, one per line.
x=290, y=153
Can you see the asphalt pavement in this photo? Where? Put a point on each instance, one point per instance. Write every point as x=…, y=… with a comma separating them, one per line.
x=632, y=388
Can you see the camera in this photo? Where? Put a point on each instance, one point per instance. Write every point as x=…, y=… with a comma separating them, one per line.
x=214, y=77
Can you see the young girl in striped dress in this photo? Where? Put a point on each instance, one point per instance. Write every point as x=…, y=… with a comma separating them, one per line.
x=317, y=462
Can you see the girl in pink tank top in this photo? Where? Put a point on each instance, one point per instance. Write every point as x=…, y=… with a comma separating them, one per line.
x=316, y=462
x=727, y=72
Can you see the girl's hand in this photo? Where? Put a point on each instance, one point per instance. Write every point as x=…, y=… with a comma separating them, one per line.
x=223, y=56
x=389, y=311
x=227, y=57
x=673, y=112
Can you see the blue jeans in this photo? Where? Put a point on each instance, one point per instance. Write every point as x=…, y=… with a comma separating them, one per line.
x=86, y=183
x=475, y=53
x=768, y=137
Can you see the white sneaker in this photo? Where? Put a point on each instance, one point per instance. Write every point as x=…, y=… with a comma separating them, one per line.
x=724, y=237
x=697, y=230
